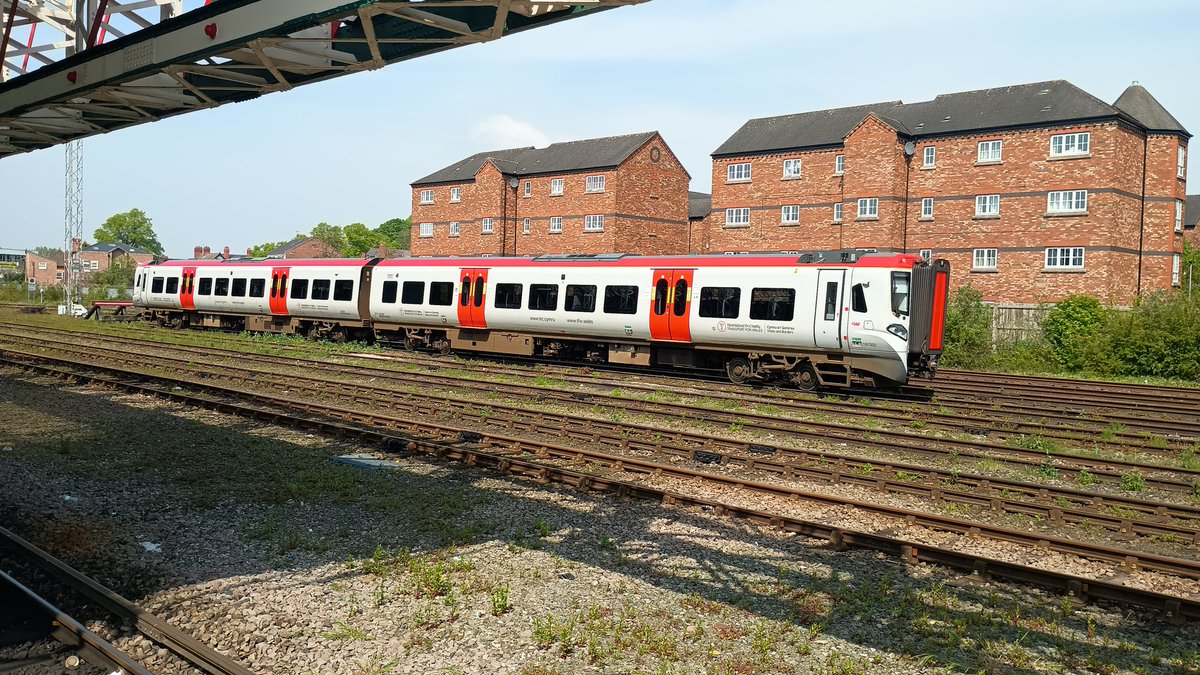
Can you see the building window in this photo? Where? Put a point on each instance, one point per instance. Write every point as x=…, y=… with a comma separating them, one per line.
x=926, y=254
x=790, y=215
x=1175, y=269
x=426, y=196
x=453, y=229
x=59, y=275
x=839, y=165
x=1064, y=258
x=985, y=259
x=1067, y=145
x=1181, y=162
x=989, y=151
x=95, y=264
x=593, y=223
x=595, y=184
x=837, y=212
x=737, y=217
x=987, y=205
x=487, y=226
x=528, y=188
x=41, y=265
x=927, y=207
x=455, y=195
x=930, y=156
x=1179, y=215
x=791, y=168
x=867, y=208
x=737, y=172
x=556, y=224
x=1067, y=201
x=426, y=229
x=556, y=187
x=525, y=226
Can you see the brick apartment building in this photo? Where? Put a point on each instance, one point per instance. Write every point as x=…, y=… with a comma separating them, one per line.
x=622, y=193
x=1191, y=218
x=45, y=270
x=1033, y=192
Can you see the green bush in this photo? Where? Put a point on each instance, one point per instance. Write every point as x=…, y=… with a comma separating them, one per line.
x=1070, y=325
x=1158, y=337
x=968, y=331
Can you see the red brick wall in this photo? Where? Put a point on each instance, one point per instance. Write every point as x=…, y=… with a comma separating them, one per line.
x=43, y=277
x=311, y=248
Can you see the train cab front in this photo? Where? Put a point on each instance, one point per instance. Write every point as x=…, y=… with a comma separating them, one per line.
x=929, y=293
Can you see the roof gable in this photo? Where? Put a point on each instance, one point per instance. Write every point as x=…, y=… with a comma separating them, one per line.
x=1136, y=102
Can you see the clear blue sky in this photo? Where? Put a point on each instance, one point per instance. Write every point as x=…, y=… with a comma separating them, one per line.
x=346, y=150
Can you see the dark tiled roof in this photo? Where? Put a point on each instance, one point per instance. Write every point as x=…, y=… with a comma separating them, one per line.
x=1191, y=211
x=288, y=246
x=595, y=153
x=1038, y=103
x=699, y=204
x=109, y=247
x=1136, y=102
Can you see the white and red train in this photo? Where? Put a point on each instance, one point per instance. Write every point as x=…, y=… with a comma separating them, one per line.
x=818, y=319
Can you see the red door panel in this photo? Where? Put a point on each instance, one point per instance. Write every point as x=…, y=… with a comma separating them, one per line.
x=187, y=288
x=671, y=305
x=472, y=298
x=279, y=288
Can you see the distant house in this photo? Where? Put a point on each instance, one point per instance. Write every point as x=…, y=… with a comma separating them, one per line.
x=1191, y=218
x=303, y=248
x=206, y=253
x=699, y=206
x=45, y=270
x=99, y=257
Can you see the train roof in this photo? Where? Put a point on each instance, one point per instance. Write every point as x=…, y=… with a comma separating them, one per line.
x=821, y=258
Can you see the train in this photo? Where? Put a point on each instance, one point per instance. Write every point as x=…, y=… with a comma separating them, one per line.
x=820, y=320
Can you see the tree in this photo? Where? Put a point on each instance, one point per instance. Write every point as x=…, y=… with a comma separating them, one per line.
x=132, y=228
x=263, y=249
x=397, y=233
x=968, y=330
x=1069, y=326
x=46, y=251
x=330, y=234
x=359, y=240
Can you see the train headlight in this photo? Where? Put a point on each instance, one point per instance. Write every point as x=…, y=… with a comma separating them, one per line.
x=898, y=330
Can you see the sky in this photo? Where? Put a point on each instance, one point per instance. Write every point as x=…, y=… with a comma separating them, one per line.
x=346, y=150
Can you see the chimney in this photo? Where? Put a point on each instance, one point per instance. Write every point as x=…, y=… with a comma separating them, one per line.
x=227, y=253
x=197, y=252
x=206, y=250
x=247, y=253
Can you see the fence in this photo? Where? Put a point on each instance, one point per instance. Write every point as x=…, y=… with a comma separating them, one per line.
x=19, y=291
x=1011, y=323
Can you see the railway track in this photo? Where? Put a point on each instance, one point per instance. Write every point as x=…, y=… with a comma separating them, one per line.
x=514, y=451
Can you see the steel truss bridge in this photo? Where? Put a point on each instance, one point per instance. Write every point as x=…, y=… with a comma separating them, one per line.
x=75, y=68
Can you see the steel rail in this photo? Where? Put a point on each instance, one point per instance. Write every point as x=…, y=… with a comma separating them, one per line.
x=508, y=461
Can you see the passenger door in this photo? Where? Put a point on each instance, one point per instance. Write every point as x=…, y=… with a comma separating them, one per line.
x=671, y=305
x=187, y=288
x=472, y=298
x=827, y=324
x=279, y=291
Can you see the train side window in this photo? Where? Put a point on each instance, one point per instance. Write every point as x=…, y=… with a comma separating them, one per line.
x=412, y=294
x=858, y=298
x=320, y=289
x=660, y=297
x=900, y=293
x=205, y=286
x=480, y=286
x=299, y=288
x=283, y=289
x=620, y=299
x=681, y=297
x=343, y=290
x=508, y=296
x=464, y=296
x=441, y=293
x=274, y=285
x=580, y=299
x=773, y=304
x=543, y=297
x=156, y=286
x=258, y=288
x=221, y=287
x=831, y=299
x=718, y=302
x=172, y=284
x=389, y=292
x=239, y=288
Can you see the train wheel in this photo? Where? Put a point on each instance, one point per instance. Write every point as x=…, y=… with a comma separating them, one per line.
x=739, y=370
x=442, y=346
x=805, y=378
x=411, y=344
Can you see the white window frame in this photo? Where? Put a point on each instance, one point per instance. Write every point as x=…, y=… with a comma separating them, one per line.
x=740, y=172
x=426, y=230
x=929, y=157
x=42, y=265
x=454, y=229
x=593, y=223
x=556, y=187
x=790, y=214
x=739, y=217
x=1067, y=201
x=990, y=152
x=1181, y=163
x=455, y=195
x=555, y=224
x=792, y=168
x=487, y=226
x=837, y=212
x=927, y=208
x=1071, y=145
x=1067, y=253
x=528, y=188
x=58, y=275
x=868, y=207
x=987, y=205
x=839, y=165
x=984, y=259
x=525, y=226
x=426, y=196
x=594, y=184
x=926, y=254
x=1179, y=215
x=95, y=264
x=1176, y=267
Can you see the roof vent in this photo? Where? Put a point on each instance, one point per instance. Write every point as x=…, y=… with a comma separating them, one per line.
x=1043, y=92
x=1046, y=109
x=946, y=118
x=921, y=125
